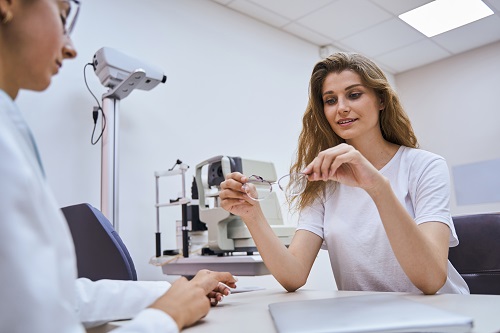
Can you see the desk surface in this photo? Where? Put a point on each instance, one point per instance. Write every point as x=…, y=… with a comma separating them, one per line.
x=248, y=312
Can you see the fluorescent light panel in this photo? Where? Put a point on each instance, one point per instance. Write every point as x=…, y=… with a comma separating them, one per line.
x=440, y=16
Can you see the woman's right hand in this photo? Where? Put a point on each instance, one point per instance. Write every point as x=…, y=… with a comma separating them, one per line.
x=234, y=199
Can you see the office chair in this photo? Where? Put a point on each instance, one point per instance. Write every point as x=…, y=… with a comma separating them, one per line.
x=100, y=252
x=477, y=257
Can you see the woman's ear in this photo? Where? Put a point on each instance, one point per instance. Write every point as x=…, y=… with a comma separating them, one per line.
x=5, y=11
x=381, y=102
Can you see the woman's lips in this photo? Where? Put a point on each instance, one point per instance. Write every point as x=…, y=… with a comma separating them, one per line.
x=346, y=122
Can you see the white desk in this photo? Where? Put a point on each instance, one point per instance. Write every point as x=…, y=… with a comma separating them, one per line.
x=248, y=312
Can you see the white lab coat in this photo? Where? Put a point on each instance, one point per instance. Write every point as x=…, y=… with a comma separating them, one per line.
x=39, y=291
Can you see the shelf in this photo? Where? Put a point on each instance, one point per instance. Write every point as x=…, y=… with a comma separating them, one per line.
x=177, y=203
x=243, y=265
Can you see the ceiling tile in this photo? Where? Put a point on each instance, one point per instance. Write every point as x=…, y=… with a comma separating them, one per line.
x=344, y=17
x=493, y=4
x=370, y=27
x=412, y=56
x=292, y=9
x=259, y=13
x=470, y=36
x=223, y=2
x=396, y=34
x=304, y=33
x=345, y=48
x=398, y=7
x=328, y=50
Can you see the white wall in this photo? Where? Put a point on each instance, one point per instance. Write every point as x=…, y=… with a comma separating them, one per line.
x=226, y=73
x=454, y=107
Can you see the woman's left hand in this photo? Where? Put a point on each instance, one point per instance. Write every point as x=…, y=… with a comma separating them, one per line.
x=344, y=164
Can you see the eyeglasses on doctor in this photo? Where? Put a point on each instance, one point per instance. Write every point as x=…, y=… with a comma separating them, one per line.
x=72, y=12
x=258, y=189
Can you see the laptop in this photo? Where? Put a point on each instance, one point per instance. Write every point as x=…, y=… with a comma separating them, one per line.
x=366, y=313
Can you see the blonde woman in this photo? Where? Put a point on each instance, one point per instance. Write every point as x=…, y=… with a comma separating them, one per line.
x=379, y=205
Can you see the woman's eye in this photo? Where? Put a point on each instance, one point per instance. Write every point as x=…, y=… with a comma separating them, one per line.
x=330, y=101
x=63, y=20
x=354, y=95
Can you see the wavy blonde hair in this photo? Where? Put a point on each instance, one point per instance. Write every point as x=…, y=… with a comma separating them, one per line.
x=317, y=135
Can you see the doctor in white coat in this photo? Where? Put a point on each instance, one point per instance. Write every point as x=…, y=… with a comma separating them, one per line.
x=39, y=289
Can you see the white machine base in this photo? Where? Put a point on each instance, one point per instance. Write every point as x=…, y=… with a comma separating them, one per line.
x=243, y=265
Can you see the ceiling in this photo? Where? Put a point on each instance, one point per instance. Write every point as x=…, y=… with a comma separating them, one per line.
x=370, y=27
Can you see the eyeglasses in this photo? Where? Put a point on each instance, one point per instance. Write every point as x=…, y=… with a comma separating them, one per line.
x=71, y=15
x=258, y=189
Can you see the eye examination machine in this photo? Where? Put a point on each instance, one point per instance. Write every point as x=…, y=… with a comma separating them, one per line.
x=226, y=243
x=122, y=74
x=210, y=237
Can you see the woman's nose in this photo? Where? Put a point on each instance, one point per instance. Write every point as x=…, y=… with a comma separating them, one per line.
x=342, y=106
x=69, y=50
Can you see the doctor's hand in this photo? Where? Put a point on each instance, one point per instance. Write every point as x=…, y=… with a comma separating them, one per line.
x=346, y=165
x=216, y=284
x=234, y=199
x=189, y=301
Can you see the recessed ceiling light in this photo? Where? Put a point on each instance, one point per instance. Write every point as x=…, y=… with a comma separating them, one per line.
x=443, y=15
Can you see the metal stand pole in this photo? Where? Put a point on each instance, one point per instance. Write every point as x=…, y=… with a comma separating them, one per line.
x=109, y=161
x=183, y=201
x=158, y=233
x=109, y=146
x=185, y=232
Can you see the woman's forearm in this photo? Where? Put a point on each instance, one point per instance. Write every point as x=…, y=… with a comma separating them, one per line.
x=420, y=250
x=278, y=258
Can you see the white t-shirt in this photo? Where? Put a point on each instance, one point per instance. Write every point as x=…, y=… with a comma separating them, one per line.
x=349, y=223
x=39, y=291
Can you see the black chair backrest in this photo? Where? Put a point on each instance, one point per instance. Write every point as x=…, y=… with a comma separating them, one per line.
x=477, y=256
x=100, y=252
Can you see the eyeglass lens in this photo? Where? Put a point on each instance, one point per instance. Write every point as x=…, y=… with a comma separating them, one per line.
x=259, y=189
x=74, y=9
x=293, y=184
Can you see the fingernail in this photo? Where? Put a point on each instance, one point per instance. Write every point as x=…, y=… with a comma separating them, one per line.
x=235, y=278
x=224, y=285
